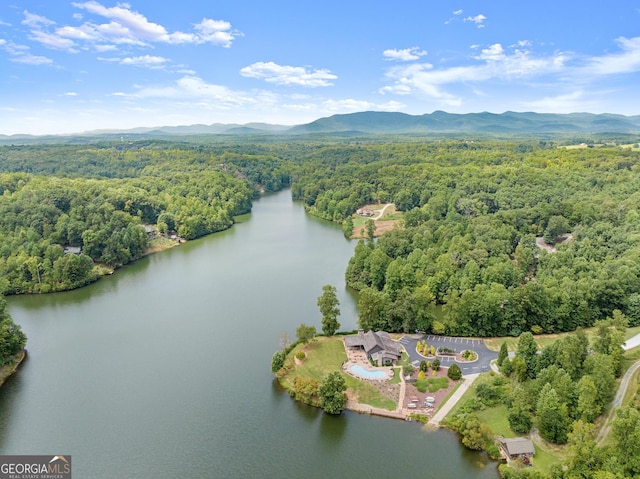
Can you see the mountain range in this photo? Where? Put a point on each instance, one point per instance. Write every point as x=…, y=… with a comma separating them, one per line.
x=375, y=122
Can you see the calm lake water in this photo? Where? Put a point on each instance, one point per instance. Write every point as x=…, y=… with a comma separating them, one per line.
x=163, y=369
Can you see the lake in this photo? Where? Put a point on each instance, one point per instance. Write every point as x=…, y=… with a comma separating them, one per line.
x=163, y=369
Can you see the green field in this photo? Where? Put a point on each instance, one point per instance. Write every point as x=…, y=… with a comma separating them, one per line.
x=325, y=355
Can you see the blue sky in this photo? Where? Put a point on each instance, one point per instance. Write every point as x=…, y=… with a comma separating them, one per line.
x=72, y=66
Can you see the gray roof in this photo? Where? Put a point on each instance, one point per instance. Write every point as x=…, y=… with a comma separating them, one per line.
x=518, y=445
x=370, y=340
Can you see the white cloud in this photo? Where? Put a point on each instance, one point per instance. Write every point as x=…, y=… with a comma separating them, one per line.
x=288, y=75
x=565, y=103
x=20, y=54
x=147, y=61
x=352, y=105
x=195, y=88
x=494, y=53
x=124, y=27
x=458, y=12
x=493, y=63
x=404, y=55
x=70, y=93
x=626, y=61
x=33, y=20
x=32, y=59
x=478, y=20
x=52, y=41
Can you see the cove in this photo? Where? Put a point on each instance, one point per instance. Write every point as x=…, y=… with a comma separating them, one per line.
x=163, y=369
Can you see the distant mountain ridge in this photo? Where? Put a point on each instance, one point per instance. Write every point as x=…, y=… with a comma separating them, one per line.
x=443, y=122
x=378, y=122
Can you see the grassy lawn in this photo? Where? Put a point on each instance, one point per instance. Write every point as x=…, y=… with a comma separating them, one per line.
x=444, y=401
x=544, y=459
x=432, y=384
x=496, y=418
x=325, y=355
x=396, y=376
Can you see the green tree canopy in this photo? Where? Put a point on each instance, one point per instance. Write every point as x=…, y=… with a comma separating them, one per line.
x=328, y=304
x=305, y=333
x=331, y=392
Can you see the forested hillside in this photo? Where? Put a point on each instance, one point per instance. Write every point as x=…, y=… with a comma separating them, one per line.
x=467, y=262
x=97, y=198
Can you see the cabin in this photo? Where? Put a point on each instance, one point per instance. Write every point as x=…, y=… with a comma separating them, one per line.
x=365, y=212
x=378, y=346
x=518, y=448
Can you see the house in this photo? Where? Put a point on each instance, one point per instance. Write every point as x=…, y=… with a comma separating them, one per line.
x=72, y=250
x=378, y=346
x=365, y=212
x=518, y=447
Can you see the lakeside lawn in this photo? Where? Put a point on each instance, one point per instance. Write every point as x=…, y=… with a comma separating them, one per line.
x=324, y=355
x=496, y=418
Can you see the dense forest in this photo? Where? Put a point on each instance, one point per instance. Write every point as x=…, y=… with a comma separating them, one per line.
x=97, y=200
x=12, y=339
x=466, y=262
x=498, y=238
x=559, y=393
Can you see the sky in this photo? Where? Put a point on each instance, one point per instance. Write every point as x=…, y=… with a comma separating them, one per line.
x=74, y=66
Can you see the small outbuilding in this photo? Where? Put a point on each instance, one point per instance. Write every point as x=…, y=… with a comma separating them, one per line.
x=517, y=447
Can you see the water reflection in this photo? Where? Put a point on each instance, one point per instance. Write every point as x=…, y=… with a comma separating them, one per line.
x=332, y=430
x=9, y=392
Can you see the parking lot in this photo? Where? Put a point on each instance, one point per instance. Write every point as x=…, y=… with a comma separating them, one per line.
x=483, y=363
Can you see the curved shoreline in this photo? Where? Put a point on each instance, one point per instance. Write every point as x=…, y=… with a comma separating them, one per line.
x=9, y=370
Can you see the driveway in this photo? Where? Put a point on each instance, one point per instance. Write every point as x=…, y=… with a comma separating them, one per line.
x=482, y=365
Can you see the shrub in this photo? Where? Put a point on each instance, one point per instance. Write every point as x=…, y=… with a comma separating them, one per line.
x=454, y=373
x=300, y=355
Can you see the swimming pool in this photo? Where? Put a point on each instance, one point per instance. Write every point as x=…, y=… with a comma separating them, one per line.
x=366, y=373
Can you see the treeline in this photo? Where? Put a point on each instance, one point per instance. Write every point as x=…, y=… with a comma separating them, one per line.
x=12, y=339
x=98, y=198
x=466, y=262
x=561, y=391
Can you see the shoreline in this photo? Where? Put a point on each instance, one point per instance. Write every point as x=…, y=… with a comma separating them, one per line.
x=9, y=370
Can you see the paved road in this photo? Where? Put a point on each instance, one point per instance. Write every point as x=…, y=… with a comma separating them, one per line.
x=631, y=342
x=485, y=356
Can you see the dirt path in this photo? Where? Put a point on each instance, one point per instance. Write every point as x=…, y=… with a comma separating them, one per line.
x=381, y=212
x=617, y=402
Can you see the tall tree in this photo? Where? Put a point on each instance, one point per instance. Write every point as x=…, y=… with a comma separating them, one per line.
x=503, y=354
x=625, y=431
x=328, y=304
x=552, y=416
x=331, y=392
x=527, y=350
